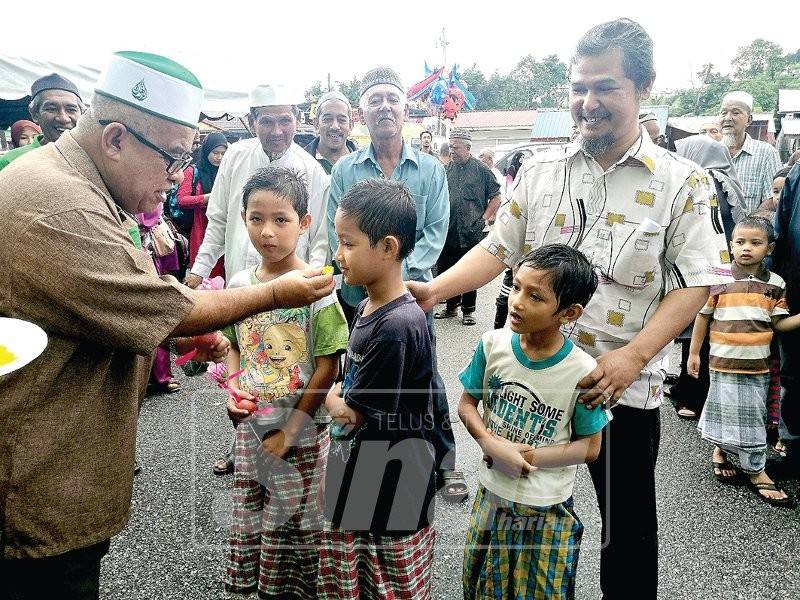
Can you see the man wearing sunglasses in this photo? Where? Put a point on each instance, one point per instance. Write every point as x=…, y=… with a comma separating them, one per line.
x=73, y=265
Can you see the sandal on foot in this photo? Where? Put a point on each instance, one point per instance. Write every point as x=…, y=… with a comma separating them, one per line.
x=771, y=487
x=686, y=413
x=468, y=320
x=172, y=386
x=223, y=465
x=454, y=488
x=445, y=314
x=724, y=466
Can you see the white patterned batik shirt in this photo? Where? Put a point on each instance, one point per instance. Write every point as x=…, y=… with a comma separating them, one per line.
x=649, y=224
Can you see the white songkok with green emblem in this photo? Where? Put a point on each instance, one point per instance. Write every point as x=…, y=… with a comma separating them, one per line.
x=153, y=84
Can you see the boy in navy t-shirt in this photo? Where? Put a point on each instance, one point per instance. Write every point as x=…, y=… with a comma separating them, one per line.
x=380, y=480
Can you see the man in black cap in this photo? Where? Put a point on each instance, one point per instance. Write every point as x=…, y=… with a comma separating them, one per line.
x=474, y=200
x=55, y=106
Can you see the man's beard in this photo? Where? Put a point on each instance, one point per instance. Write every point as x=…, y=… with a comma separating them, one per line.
x=596, y=146
x=729, y=139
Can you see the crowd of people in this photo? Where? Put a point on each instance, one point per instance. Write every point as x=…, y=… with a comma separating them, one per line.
x=342, y=436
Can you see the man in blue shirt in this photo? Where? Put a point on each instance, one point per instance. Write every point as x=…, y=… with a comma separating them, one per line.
x=384, y=109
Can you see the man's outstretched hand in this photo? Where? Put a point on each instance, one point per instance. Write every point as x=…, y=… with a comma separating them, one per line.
x=301, y=288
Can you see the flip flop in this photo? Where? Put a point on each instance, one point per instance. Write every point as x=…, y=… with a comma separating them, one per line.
x=468, y=320
x=787, y=502
x=223, y=465
x=454, y=488
x=724, y=466
x=686, y=413
x=445, y=314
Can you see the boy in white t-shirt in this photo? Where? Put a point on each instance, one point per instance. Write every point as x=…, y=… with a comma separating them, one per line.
x=524, y=535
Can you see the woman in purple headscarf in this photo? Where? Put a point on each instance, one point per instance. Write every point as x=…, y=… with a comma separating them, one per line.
x=159, y=240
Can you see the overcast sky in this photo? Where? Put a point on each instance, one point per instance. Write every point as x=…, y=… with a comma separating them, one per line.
x=234, y=45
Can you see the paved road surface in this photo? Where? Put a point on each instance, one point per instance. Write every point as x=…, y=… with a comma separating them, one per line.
x=716, y=541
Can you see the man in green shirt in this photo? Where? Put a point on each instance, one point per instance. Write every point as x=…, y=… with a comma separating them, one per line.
x=55, y=106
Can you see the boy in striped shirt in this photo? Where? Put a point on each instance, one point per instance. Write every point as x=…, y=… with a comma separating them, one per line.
x=741, y=318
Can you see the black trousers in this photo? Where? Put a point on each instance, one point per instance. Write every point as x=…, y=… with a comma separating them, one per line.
x=450, y=256
x=624, y=479
x=689, y=392
x=790, y=380
x=74, y=575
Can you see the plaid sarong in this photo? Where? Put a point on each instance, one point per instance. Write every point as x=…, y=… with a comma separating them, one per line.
x=735, y=415
x=277, y=516
x=519, y=552
x=362, y=566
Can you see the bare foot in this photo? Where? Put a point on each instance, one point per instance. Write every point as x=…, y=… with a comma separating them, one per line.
x=766, y=493
x=718, y=457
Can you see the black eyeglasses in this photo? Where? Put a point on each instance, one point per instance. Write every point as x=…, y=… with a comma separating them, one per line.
x=174, y=163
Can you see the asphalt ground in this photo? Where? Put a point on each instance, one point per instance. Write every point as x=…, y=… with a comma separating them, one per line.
x=716, y=541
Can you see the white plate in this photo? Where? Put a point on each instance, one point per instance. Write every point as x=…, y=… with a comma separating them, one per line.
x=24, y=340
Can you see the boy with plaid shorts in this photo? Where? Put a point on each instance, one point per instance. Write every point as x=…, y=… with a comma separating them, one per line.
x=524, y=535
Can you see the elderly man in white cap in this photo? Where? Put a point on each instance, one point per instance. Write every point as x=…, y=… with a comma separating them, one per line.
x=755, y=161
x=273, y=118
x=334, y=121
x=73, y=264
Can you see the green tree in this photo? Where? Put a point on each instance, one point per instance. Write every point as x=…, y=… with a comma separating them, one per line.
x=314, y=92
x=760, y=57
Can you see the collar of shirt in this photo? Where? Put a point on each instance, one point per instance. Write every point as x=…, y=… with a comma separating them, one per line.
x=368, y=153
x=643, y=152
x=749, y=145
x=739, y=273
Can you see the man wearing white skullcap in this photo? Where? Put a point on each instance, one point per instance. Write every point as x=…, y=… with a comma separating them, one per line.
x=273, y=118
x=755, y=161
x=73, y=265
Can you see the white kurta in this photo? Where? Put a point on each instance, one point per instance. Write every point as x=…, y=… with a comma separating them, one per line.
x=226, y=233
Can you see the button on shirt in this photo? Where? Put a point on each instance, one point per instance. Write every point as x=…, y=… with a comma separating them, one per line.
x=471, y=187
x=755, y=165
x=425, y=179
x=650, y=224
x=226, y=232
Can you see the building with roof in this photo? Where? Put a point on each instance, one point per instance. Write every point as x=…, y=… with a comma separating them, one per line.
x=788, y=120
x=495, y=127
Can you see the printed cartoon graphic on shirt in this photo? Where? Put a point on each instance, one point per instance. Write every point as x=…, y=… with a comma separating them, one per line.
x=275, y=345
x=517, y=413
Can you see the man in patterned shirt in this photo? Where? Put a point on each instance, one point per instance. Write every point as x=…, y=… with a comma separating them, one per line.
x=648, y=220
x=755, y=161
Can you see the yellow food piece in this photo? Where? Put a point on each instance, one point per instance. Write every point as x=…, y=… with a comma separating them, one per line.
x=6, y=356
x=327, y=270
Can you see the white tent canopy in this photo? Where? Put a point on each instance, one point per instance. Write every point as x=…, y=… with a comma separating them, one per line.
x=17, y=74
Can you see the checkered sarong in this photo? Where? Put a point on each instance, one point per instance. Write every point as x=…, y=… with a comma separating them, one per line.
x=277, y=516
x=735, y=413
x=362, y=566
x=519, y=552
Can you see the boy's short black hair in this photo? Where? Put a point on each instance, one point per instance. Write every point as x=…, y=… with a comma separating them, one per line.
x=783, y=172
x=572, y=276
x=755, y=222
x=383, y=207
x=288, y=183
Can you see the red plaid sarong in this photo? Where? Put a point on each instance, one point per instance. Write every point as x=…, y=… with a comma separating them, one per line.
x=277, y=517
x=362, y=566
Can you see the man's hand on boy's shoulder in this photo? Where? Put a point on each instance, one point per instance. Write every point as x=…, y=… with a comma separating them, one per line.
x=615, y=372
x=423, y=293
x=301, y=288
